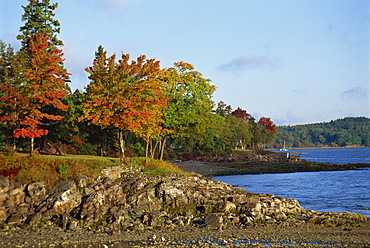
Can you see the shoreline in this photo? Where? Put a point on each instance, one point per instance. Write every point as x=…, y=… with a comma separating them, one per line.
x=319, y=148
x=212, y=169
x=297, y=228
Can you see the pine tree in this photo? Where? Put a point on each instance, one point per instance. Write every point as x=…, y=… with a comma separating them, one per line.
x=38, y=17
x=11, y=89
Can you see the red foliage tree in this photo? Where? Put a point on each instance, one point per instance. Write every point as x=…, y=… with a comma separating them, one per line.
x=241, y=114
x=267, y=123
x=43, y=88
x=126, y=95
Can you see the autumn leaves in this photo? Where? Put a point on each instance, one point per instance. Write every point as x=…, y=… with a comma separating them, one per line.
x=140, y=97
x=127, y=95
x=39, y=82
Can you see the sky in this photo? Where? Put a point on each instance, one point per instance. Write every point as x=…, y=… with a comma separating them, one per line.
x=296, y=61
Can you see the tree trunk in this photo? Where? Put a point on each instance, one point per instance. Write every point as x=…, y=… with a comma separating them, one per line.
x=103, y=144
x=162, y=148
x=14, y=144
x=32, y=146
x=146, y=149
x=121, y=147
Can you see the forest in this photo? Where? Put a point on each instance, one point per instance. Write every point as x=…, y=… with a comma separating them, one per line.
x=346, y=132
x=131, y=107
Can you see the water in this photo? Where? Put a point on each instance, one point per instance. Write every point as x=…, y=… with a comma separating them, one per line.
x=335, y=156
x=332, y=191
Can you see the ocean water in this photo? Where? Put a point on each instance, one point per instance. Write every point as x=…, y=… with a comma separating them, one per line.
x=332, y=191
x=335, y=156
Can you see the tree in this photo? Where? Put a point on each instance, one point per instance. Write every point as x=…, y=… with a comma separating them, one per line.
x=43, y=88
x=223, y=109
x=241, y=131
x=241, y=114
x=11, y=88
x=38, y=17
x=189, y=102
x=125, y=95
x=240, y=124
x=263, y=132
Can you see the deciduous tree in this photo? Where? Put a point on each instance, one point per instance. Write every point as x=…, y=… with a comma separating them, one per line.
x=189, y=102
x=43, y=88
x=125, y=95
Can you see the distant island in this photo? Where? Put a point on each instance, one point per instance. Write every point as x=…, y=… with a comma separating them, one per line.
x=346, y=132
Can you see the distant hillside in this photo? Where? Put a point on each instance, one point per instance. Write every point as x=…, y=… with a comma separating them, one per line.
x=349, y=131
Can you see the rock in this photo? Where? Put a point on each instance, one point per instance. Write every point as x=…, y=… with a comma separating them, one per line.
x=35, y=191
x=213, y=221
x=139, y=201
x=280, y=216
x=115, y=172
x=4, y=185
x=3, y=214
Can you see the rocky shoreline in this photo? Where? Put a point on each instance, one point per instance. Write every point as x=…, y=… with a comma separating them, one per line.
x=250, y=163
x=123, y=209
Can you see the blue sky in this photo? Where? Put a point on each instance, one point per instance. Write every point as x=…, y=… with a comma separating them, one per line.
x=296, y=61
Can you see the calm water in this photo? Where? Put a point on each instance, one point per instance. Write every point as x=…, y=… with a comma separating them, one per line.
x=334, y=191
x=336, y=156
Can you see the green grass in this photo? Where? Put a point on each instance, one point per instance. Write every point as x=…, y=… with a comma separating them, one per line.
x=49, y=168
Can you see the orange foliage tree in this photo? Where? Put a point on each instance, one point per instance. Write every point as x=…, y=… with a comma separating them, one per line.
x=125, y=95
x=43, y=88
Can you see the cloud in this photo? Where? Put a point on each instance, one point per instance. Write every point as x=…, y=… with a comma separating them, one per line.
x=249, y=62
x=289, y=119
x=355, y=93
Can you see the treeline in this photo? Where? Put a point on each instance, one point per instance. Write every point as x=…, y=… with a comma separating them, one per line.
x=131, y=107
x=349, y=131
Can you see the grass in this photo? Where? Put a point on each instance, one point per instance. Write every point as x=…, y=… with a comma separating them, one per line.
x=49, y=168
x=153, y=166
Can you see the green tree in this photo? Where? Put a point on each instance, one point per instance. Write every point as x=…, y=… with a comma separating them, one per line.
x=189, y=103
x=11, y=89
x=223, y=109
x=242, y=135
x=39, y=17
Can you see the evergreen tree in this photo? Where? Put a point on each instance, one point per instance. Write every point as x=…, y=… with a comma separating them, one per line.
x=11, y=90
x=38, y=17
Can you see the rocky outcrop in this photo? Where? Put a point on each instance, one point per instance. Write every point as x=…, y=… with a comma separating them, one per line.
x=128, y=201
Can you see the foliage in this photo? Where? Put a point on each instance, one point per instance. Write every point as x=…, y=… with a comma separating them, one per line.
x=189, y=104
x=30, y=100
x=34, y=77
x=348, y=131
x=38, y=17
x=11, y=79
x=44, y=87
x=223, y=109
x=125, y=95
